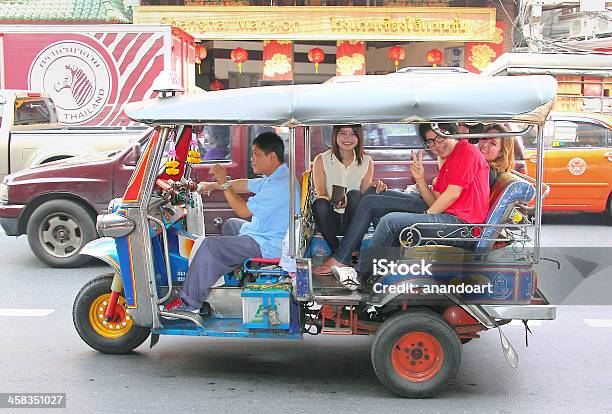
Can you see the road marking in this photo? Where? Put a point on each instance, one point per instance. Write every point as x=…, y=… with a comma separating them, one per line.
x=25, y=312
x=599, y=323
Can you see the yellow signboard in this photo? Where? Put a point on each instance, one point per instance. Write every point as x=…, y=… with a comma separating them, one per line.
x=459, y=24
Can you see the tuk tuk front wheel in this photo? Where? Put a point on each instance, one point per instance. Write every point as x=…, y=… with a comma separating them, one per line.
x=117, y=336
x=416, y=354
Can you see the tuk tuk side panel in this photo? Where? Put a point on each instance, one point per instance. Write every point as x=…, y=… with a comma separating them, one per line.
x=496, y=284
x=180, y=245
x=136, y=250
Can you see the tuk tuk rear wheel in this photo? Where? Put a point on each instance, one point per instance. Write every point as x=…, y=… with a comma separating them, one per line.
x=416, y=354
x=118, y=336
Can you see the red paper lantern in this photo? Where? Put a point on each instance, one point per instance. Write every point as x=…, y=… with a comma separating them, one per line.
x=239, y=56
x=200, y=55
x=216, y=85
x=434, y=57
x=397, y=53
x=316, y=56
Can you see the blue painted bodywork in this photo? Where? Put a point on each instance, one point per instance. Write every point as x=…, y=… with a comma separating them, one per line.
x=116, y=252
x=222, y=327
x=103, y=249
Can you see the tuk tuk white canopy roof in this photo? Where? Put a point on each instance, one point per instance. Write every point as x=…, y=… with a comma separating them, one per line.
x=361, y=99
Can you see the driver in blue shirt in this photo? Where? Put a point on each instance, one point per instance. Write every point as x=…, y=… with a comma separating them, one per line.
x=268, y=211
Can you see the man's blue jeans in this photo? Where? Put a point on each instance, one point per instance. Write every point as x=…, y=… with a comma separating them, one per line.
x=371, y=208
x=385, y=240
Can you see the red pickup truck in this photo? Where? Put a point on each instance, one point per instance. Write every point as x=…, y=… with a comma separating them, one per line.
x=56, y=204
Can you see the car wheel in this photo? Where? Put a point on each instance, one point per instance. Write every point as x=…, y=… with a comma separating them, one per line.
x=118, y=336
x=57, y=231
x=416, y=354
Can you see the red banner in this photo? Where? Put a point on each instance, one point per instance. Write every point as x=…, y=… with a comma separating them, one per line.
x=277, y=60
x=480, y=55
x=350, y=58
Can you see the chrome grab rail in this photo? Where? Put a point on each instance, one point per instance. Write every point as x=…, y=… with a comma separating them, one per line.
x=166, y=257
x=525, y=131
x=465, y=231
x=515, y=234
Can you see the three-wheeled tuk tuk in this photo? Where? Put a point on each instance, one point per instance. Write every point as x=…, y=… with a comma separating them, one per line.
x=149, y=234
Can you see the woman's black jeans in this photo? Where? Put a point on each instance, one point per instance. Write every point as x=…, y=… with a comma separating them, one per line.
x=332, y=224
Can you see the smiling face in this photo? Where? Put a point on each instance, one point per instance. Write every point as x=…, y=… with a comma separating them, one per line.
x=440, y=147
x=347, y=139
x=491, y=148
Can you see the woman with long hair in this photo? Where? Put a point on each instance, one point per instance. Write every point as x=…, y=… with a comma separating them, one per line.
x=499, y=152
x=346, y=166
x=374, y=206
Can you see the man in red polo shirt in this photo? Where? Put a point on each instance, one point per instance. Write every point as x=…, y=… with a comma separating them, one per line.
x=459, y=196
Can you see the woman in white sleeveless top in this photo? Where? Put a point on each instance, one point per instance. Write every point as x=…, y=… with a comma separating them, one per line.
x=344, y=165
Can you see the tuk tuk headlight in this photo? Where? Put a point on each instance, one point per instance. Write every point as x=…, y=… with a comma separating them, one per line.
x=4, y=190
x=114, y=225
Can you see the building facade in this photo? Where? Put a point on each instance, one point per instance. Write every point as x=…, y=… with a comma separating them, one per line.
x=250, y=42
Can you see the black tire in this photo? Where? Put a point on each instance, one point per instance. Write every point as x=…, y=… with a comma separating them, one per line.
x=388, y=348
x=87, y=296
x=57, y=231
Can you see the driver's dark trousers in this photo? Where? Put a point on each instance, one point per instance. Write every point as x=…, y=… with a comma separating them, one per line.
x=216, y=256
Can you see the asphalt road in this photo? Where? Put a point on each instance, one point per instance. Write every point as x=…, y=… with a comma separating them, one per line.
x=566, y=368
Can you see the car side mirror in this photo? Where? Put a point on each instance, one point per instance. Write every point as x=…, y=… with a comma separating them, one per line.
x=135, y=152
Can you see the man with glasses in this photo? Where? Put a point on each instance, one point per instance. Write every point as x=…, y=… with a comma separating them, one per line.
x=374, y=206
x=460, y=195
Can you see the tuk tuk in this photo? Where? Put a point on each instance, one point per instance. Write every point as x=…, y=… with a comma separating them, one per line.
x=150, y=233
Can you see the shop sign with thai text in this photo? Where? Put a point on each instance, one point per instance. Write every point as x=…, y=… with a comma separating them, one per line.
x=326, y=23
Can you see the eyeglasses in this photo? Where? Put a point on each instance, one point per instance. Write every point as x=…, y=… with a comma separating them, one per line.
x=430, y=142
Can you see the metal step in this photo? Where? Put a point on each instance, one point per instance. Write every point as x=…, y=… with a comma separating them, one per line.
x=188, y=316
x=336, y=295
x=337, y=331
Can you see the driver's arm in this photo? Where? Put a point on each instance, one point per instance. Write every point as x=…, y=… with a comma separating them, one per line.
x=239, y=186
x=236, y=202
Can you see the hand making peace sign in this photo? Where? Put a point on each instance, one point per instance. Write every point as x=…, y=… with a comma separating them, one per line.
x=417, y=169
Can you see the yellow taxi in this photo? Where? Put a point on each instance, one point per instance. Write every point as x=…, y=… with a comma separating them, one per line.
x=577, y=161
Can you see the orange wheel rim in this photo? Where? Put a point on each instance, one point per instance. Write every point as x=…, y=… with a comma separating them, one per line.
x=115, y=328
x=417, y=356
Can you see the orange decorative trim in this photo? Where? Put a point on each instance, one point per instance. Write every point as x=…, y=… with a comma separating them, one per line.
x=135, y=185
